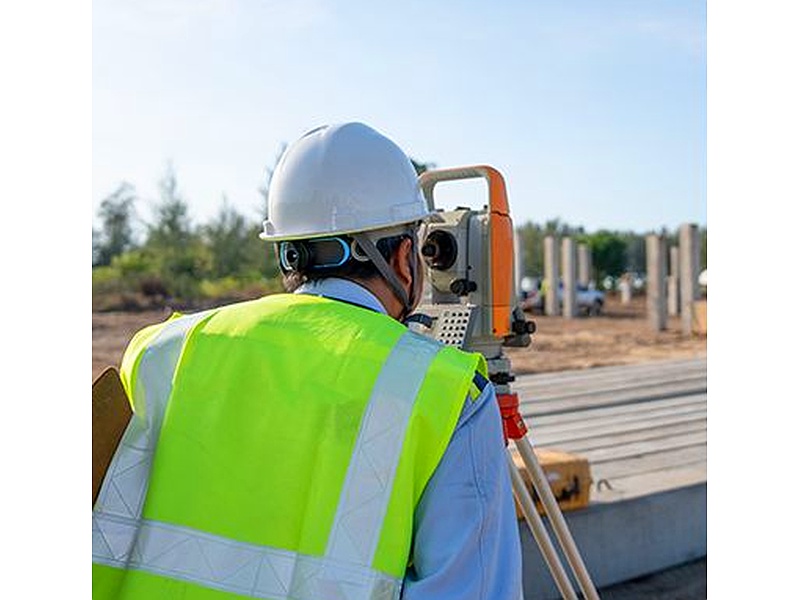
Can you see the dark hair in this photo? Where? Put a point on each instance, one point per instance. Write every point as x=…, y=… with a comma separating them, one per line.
x=352, y=269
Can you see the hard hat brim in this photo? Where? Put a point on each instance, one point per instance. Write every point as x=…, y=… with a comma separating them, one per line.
x=310, y=235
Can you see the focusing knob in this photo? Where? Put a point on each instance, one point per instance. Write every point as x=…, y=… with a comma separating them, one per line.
x=463, y=287
x=523, y=327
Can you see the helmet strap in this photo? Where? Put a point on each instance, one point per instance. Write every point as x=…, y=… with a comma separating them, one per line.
x=414, y=264
x=388, y=273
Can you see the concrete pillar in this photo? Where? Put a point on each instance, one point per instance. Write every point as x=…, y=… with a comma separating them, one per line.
x=673, y=297
x=551, y=277
x=656, y=282
x=584, y=264
x=689, y=247
x=569, y=270
x=625, y=288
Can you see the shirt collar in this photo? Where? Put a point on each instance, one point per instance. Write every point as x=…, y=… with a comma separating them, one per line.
x=345, y=290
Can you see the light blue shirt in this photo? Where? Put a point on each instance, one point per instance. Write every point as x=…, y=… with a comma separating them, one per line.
x=466, y=538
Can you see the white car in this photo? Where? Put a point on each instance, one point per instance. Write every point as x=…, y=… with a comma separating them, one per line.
x=590, y=301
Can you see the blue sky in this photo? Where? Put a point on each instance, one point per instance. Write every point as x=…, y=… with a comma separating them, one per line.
x=594, y=111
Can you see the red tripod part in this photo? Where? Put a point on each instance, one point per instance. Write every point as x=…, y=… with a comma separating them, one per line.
x=514, y=427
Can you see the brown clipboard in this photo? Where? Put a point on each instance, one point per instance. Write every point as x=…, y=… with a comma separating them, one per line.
x=111, y=413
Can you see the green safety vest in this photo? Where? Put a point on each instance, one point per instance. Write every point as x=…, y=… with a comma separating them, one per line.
x=278, y=450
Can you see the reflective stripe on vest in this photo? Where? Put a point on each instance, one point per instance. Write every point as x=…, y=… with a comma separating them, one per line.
x=231, y=566
x=123, y=539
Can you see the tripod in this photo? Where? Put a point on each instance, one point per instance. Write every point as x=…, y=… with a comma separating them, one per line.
x=514, y=428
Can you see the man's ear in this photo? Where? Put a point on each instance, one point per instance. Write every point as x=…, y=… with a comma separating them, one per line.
x=400, y=262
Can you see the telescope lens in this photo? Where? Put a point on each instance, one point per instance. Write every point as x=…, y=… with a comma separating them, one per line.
x=440, y=250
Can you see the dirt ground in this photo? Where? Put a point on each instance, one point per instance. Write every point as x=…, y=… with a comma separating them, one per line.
x=621, y=335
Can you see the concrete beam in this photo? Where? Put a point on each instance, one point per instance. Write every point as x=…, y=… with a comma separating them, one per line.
x=623, y=540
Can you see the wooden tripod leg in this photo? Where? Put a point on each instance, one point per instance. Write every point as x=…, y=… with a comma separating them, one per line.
x=540, y=533
x=540, y=483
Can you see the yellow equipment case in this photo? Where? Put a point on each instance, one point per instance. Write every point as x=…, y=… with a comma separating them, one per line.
x=568, y=474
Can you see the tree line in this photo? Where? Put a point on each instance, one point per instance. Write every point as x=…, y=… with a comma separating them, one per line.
x=174, y=261
x=169, y=260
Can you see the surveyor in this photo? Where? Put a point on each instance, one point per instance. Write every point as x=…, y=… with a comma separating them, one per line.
x=308, y=444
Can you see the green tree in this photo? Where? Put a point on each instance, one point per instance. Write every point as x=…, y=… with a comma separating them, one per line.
x=635, y=251
x=261, y=257
x=609, y=254
x=181, y=257
x=226, y=237
x=531, y=242
x=115, y=235
x=172, y=227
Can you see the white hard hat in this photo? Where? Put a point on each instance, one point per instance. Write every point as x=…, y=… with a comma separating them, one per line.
x=341, y=179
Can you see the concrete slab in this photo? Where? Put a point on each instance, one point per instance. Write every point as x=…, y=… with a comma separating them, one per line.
x=623, y=540
x=643, y=430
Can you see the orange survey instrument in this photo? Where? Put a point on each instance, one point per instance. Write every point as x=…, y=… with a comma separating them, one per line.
x=495, y=279
x=469, y=256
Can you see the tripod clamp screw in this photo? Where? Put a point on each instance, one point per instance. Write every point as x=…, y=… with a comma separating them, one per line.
x=501, y=378
x=514, y=427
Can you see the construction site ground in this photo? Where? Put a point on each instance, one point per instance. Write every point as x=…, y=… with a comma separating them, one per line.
x=620, y=335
